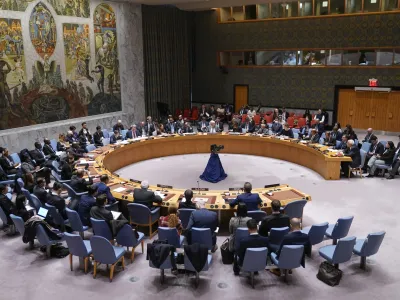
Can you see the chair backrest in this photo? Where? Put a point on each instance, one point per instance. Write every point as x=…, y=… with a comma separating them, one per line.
x=123, y=133
x=344, y=250
x=291, y=256
x=295, y=209
x=257, y=119
x=103, y=251
x=240, y=233
x=105, y=133
x=56, y=165
x=290, y=121
x=169, y=234
x=202, y=236
x=70, y=190
x=268, y=119
x=257, y=215
x=101, y=228
x=184, y=215
x=90, y=147
x=54, y=214
x=35, y=202
x=74, y=220
x=255, y=259
x=106, y=141
x=42, y=236
x=19, y=223
x=342, y=227
x=126, y=237
x=20, y=182
x=365, y=146
x=301, y=122
x=26, y=194
x=15, y=157
x=139, y=213
x=3, y=216
x=276, y=235
x=75, y=244
x=363, y=155
x=317, y=233
x=372, y=243
x=113, y=206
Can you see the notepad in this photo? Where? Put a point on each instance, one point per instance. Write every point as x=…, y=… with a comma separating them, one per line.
x=119, y=190
x=115, y=214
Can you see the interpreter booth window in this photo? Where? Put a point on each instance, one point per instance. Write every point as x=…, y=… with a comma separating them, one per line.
x=371, y=6
x=249, y=58
x=353, y=6
x=250, y=12
x=305, y=8
x=225, y=58
x=351, y=57
x=312, y=57
x=336, y=7
x=264, y=11
x=225, y=14
x=389, y=5
x=396, y=57
x=289, y=58
x=321, y=7
x=367, y=58
x=334, y=58
x=237, y=58
x=384, y=57
x=237, y=13
x=276, y=10
x=290, y=9
x=268, y=58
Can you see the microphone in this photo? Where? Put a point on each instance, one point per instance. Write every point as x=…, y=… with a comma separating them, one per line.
x=198, y=186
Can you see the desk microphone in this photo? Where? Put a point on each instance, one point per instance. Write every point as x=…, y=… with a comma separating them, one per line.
x=198, y=186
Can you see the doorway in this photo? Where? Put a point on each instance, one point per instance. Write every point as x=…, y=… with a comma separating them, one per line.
x=240, y=95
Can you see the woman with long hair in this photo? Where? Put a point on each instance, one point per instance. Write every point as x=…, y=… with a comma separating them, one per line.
x=236, y=222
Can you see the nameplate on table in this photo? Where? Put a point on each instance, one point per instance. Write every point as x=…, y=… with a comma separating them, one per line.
x=115, y=174
x=234, y=189
x=119, y=190
x=163, y=186
x=200, y=199
x=135, y=181
x=271, y=185
x=200, y=189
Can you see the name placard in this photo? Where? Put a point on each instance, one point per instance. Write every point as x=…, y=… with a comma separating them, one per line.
x=165, y=186
x=135, y=181
x=235, y=189
x=200, y=189
x=271, y=185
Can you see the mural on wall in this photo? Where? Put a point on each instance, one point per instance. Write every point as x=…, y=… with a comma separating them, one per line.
x=73, y=8
x=77, y=51
x=17, y=5
x=106, y=67
x=42, y=28
x=90, y=84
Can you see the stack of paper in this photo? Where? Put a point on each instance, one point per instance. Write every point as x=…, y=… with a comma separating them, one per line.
x=119, y=190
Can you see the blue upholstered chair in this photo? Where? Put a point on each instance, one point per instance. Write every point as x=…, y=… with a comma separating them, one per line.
x=367, y=247
x=255, y=260
x=123, y=133
x=27, y=196
x=126, y=238
x=3, y=218
x=19, y=223
x=15, y=157
x=358, y=169
x=316, y=233
x=166, y=265
x=53, y=144
x=105, y=253
x=72, y=193
x=105, y=134
x=340, y=229
x=106, y=141
x=289, y=258
x=171, y=235
x=240, y=234
x=44, y=239
x=75, y=222
x=90, y=148
x=365, y=146
x=101, y=228
x=78, y=247
x=385, y=167
x=113, y=206
x=257, y=215
x=340, y=253
x=295, y=209
x=276, y=236
x=141, y=215
x=57, y=177
x=184, y=215
x=189, y=266
x=56, y=166
x=202, y=236
x=55, y=216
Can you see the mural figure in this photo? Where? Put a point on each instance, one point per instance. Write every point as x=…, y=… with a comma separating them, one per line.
x=16, y=5
x=43, y=30
x=74, y=8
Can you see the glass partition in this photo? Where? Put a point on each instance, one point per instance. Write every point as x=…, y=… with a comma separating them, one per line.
x=289, y=58
x=334, y=57
x=336, y=7
x=237, y=58
x=389, y=5
x=321, y=7
x=384, y=57
x=371, y=6
x=264, y=11
x=396, y=59
x=250, y=12
x=353, y=6
x=311, y=57
x=305, y=8
x=249, y=58
x=225, y=14
x=237, y=13
x=268, y=58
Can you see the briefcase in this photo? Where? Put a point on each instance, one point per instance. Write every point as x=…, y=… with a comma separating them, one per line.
x=329, y=274
x=227, y=256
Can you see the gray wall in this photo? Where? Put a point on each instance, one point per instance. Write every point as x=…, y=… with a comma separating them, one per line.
x=299, y=87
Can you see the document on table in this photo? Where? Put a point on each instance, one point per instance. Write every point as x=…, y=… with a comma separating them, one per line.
x=200, y=199
x=115, y=214
x=84, y=161
x=159, y=194
x=119, y=190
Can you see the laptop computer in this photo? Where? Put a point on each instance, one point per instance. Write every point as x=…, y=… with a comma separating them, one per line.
x=42, y=213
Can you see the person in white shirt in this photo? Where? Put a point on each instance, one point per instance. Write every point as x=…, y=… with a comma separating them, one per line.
x=212, y=128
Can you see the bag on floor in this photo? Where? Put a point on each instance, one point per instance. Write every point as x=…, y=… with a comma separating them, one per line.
x=329, y=274
x=227, y=256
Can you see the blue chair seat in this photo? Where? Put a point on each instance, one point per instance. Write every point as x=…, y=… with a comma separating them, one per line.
x=358, y=246
x=327, y=252
x=329, y=231
x=88, y=246
x=306, y=230
x=119, y=252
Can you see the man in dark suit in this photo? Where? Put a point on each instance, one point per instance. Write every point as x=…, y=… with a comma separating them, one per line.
x=376, y=148
x=188, y=201
x=252, y=201
x=203, y=112
x=248, y=126
x=242, y=110
x=116, y=137
x=98, y=137
x=368, y=136
x=263, y=129
x=76, y=151
x=319, y=126
x=254, y=240
x=314, y=137
x=6, y=162
x=144, y=196
x=118, y=126
x=203, y=125
x=6, y=204
x=132, y=133
x=354, y=152
x=54, y=198
x=396, y=163
x=171, y=127
x=275, y=220
x=39, y=190
x=186, y=128
x=78, y=183
x=85, y=132
x=276, y=127
x=86, y=203
x=219, y=124
x=343, y=143
x=48, y=150
x=203, y=218
x=38, y=155
x=149, y=127
x=103, y=188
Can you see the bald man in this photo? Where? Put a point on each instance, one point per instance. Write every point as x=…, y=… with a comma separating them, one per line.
x=368, y=136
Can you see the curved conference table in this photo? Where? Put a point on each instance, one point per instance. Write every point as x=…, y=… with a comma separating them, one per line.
x=111, y=158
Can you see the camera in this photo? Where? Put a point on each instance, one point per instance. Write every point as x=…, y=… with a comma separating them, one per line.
x=216, y=148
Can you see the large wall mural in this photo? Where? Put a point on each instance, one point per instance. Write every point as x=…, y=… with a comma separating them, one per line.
x=16, y=5
x=90, y=83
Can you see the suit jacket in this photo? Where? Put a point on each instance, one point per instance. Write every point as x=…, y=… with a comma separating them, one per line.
x=377, y=149
x=336, y=135
x=168, y=127
x=40, y=193
x=216, y=129
x=39, y=158
x=250, y=125
x=77, y=153
x=71, y=138
x=320, y=128
x=87, y=135
x=145, y=197
x=85, y=205
x=7, y=165
x=203, y=113
x=202, y=125
x=263, y=130
x=288, y=133
x=84, y=141
x=296, y=238
x=98, y=138
x=367, y=138
x=220, y=125
x=388, y=156
x=7, y=207
x=354, y=153
x=130, y=135
x=251, y=241
x=102, y=188
x=243, y=111
x=331, y=141
x=342, y=146
x=203, y=218
x=118, y=127
x=66, y=171
x=49, y=151
x=190, y=205
x=60, y=147
x=58, y=202
x=101, y=213
x=252, y=201
x=273, y=221
x=187, y=129
x=114, y=139
x=147, y=126
x=80, y=185
x=276, y=128
x=314, y=139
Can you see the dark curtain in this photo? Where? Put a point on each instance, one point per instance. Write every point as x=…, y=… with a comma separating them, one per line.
x=167, y=40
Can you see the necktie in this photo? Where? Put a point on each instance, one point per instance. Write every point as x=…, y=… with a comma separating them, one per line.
x=134, y=135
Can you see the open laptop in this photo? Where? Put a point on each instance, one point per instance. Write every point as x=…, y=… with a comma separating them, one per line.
x=42, y=213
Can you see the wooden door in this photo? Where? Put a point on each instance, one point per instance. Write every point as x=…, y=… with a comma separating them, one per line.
x=393, y=112
x=241, y=96
x=379, y=110
x=346, y=103
x=362, y=110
